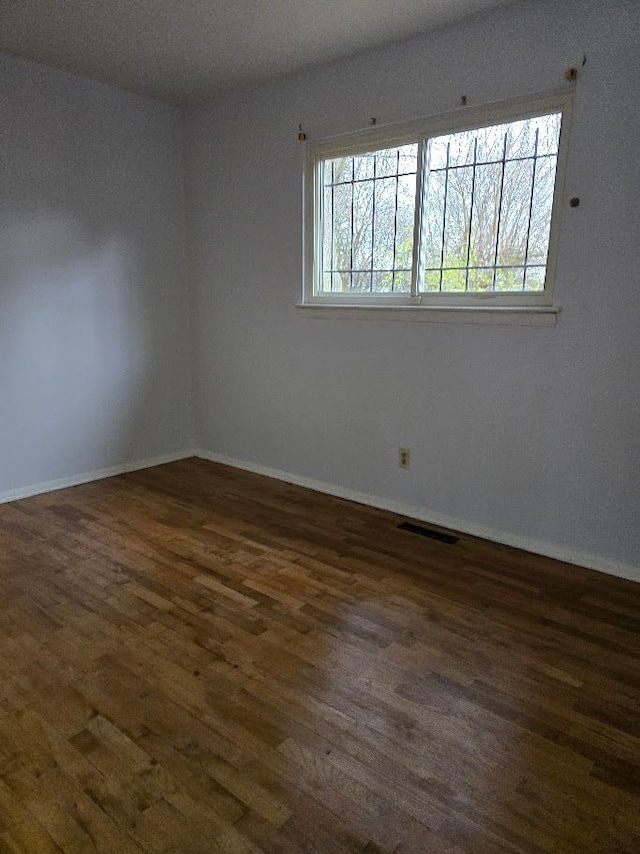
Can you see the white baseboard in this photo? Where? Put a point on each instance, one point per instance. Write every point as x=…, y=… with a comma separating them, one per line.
x=563, y=553
x=568, y=555
x=87, y=477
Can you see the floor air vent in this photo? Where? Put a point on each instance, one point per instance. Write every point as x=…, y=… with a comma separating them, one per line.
x=428, y=532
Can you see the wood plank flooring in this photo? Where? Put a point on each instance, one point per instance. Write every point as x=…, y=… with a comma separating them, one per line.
x=198, y=659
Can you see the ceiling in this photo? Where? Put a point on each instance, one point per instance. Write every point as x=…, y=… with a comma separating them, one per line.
x=180, y=49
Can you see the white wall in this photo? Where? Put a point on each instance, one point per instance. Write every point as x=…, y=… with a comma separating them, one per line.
x=532, y=433
x=94, y=351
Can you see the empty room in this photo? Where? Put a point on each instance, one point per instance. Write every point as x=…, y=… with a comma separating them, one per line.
x=320, y=426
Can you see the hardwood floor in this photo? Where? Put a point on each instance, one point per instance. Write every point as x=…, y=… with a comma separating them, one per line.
x=198, y=659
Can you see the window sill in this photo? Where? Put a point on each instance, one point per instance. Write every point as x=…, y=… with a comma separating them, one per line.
x=488, y=314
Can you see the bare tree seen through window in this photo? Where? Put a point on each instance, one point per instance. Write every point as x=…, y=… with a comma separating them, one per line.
x=486, y=212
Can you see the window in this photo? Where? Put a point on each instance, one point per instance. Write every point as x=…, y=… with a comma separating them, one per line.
x=457, y=212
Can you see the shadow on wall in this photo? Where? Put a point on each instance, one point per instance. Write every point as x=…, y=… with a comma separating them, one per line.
x=75, y=350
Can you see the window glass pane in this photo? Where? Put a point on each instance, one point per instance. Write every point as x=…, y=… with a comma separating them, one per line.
x=541, y=210
x=480, y=279
x=368, y=220
x=402, y=282
x=461, y=148
x=509, y=278
x=456, y=235
x=363, y=165
x=342, y=227
x=510, y=216
x=341, y=170
x=361, y=280
x=327, y=237
x=455, y=149
x=438, y=155
x=491, y=143
x=431, y=280
x=520, y=139
x=534, y=278
x=362, y=225
x=394, y=161
x=384, y=219
x=433, y=220
x=382, y=281
x=408, y=159
x=453, y=280
x=484, y=226
x=404, y=221
x=548, y=133
x=386, y=162
x=514, y=212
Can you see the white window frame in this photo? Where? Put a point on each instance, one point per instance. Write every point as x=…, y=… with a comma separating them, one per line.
x=526, y=306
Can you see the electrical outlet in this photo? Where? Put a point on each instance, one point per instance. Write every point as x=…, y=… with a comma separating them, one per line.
x=404, y=458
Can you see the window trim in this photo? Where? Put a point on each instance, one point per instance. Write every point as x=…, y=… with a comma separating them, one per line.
x=370, y=139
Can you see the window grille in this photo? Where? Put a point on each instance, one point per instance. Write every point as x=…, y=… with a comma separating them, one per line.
x=368, y=220
x=437, y=213
x=499, y=182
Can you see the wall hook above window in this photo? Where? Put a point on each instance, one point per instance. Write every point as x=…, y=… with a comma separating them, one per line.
x=301, y=134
